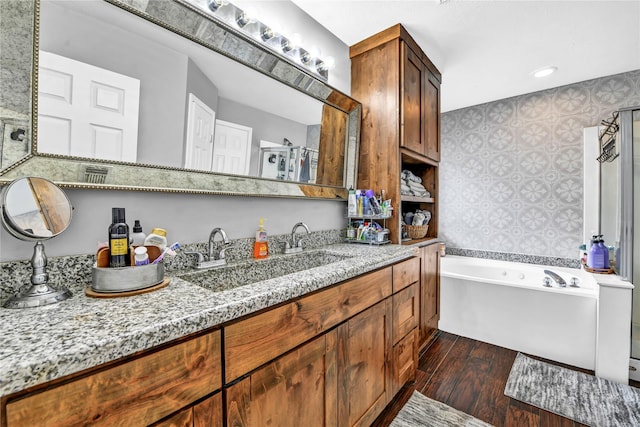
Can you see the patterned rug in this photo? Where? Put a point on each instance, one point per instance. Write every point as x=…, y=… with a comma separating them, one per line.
x=422, y=411
x=583, y=398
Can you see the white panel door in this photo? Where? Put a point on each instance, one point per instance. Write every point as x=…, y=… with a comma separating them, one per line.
x=232, y=148
x=199, y=147
x=86, y=111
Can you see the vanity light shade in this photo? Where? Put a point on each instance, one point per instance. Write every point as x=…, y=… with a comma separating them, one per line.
x=214, y=5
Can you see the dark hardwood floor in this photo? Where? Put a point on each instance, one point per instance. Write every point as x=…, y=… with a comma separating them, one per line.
x=470, y=376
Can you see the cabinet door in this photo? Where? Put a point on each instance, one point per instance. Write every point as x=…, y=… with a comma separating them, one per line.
x=406, y=310
x=429, y=293
x=299, y=388
x=208, y=413
x=364, y=366
x=137, y=392
x=405, y=360
x=412, y=106
x=431, y=117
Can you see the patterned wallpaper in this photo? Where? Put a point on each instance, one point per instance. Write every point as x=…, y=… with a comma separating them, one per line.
x=511, y=170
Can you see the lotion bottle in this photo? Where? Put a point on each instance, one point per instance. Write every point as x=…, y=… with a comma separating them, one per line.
x=119, y=252
x=261, y=246
x=158, y=237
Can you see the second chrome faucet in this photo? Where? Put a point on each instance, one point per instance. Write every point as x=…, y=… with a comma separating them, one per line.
x=293, y=247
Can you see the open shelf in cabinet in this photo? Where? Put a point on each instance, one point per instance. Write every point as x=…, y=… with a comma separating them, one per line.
x=417, y=199
x=374, y=237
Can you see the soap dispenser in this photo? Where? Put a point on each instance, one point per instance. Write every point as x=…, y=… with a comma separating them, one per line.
x=261, y=245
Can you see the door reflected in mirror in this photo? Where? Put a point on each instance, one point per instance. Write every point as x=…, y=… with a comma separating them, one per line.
x=116, y=87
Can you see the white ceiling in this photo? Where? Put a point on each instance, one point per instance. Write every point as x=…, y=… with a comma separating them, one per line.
x=487, y=50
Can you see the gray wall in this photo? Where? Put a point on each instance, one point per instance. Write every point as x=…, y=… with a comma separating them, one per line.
x=187, y=218
x=511, y=170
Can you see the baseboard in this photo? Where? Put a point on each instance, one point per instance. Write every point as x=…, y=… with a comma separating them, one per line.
x=634, y=369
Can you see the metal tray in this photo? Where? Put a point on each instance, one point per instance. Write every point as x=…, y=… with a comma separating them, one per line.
x=125, y=279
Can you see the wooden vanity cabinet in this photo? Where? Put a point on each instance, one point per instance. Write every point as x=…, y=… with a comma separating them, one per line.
x=429, y=293
x=325, y=359
x=364, y=365
x=140, y=391
x=406, y=309
x=399, y=88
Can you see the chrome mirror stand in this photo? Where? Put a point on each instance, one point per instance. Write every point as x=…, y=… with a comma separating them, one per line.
x=40, y=292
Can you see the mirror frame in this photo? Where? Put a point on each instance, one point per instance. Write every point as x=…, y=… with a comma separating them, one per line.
x=185, y=20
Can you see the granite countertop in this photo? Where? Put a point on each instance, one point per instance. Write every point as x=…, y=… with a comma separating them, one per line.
x=44, y=343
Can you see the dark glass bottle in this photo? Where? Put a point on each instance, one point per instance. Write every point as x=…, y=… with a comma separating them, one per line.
x=120, y=255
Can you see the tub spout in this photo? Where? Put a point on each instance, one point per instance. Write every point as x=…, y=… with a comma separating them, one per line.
x=556, y=278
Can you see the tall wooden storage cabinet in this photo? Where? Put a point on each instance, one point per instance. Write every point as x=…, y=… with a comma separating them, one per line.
x=399, y=89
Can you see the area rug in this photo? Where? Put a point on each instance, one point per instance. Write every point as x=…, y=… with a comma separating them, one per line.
x=582, y=397
x=422, y=411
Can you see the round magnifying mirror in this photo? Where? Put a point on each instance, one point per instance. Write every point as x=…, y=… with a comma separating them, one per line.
x=35, y=209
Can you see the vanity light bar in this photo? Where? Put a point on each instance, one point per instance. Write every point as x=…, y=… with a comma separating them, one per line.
x=245, y=21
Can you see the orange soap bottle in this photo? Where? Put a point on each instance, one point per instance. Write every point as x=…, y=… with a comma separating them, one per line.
x=261, y=246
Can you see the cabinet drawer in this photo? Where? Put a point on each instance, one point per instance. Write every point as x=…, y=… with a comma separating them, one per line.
x=406, y=273
x=405, y=361
x=406, y=311
x=138, y=392
x=254, y=341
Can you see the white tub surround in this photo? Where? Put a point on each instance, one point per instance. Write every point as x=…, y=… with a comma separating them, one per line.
x=614, y=328
x=504, y=303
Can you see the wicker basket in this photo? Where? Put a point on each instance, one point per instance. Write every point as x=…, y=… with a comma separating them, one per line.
x=417, y=231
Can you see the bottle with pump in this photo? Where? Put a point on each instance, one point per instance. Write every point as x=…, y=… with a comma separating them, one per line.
x=119, y=252
x=605, y=252
x=591, y=255
x=137, y=237
x=261, y=246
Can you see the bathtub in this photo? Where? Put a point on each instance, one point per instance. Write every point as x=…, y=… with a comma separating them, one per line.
x=504, y=303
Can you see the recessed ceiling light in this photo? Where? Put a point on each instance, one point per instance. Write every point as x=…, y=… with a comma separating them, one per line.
x=544, y=72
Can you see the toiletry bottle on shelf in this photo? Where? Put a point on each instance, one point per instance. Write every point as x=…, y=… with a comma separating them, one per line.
x=592, y=253
x=119, y=252
x=137, y=237
x=374, y=206
x=605, y=252
x=261, y=245
x=158, y=237
x=352, y=205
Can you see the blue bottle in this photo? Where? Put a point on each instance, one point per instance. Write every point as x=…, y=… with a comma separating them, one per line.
x=605, y=252
x=591, y=255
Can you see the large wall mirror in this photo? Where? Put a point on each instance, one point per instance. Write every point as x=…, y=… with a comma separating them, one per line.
x=145, y=95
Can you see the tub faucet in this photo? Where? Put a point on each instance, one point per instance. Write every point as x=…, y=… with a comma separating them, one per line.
x=556, y=277
x=295, y=246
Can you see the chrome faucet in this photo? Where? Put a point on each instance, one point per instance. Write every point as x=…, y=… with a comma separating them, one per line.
x=225, y=241
x=213, y=259
x=556, y=277
x=295, y=246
